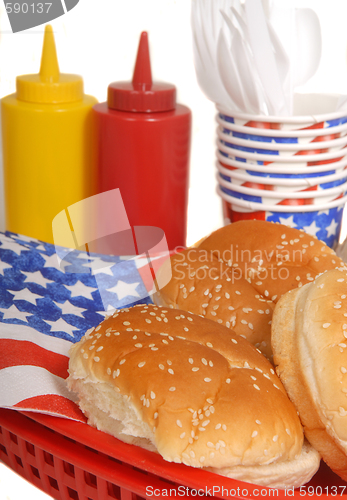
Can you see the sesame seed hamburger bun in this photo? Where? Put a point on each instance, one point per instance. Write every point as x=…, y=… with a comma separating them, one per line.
x=236, y=275
x=194, y=392
x=309, y=333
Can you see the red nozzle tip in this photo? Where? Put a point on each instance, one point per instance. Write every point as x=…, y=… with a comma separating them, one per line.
x=142, y=76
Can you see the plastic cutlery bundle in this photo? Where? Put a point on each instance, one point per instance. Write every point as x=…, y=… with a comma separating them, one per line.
x=240, y=59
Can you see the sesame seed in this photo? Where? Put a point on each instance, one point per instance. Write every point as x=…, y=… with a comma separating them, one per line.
x=326, y=325
x=254, y=434
x=138, y=345
x=152, y=395
x=179, y=423
x=140, y=365
x=126, y=323
x=96, y=359
x=172, y=389
x=275, y=438
x=206, y=379
x=256, y=387
x=182, y=435
x=162, y=367
x=170, y=370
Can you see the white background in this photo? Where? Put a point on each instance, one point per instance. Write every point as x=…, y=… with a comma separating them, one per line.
x=98, y=39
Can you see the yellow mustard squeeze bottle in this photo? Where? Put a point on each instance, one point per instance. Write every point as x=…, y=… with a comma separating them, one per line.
x=47, y=146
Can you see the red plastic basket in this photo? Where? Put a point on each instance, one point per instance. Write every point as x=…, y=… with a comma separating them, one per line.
x=72, y=461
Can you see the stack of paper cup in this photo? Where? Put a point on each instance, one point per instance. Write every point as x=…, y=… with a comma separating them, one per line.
x=290, y=170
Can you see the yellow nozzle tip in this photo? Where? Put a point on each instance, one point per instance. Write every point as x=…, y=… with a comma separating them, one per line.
x=49, y=69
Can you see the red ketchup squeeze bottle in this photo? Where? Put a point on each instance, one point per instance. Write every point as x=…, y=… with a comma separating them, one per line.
x=143, y=148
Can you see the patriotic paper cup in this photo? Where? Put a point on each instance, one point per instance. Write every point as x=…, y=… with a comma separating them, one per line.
x=253, y=188
x=269, y=156
x=269, y=135
x=309, y=110
x=284, y=204
x=265, y=179
x=331, y=142
x=314, y=194
x=283, y=170
x=323, y=221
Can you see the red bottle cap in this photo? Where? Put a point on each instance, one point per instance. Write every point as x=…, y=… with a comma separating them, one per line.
x=142, y=95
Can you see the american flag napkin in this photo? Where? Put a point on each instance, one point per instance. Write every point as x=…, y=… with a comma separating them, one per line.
x=47, y=304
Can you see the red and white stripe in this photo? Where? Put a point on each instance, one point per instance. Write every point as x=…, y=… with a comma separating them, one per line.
x=42, y=360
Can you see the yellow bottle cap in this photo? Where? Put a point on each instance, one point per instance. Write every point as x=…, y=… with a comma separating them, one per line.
x=49, y=85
